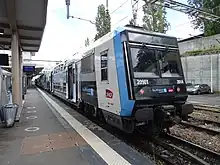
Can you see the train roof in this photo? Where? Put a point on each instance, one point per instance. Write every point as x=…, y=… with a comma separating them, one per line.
x=142, y=30
x=109, y=36
x=72, y=61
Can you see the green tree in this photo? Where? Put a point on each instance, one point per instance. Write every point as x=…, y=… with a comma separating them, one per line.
x=87, y=42
x=209, y=27
x=102, y=22
x=155, y=17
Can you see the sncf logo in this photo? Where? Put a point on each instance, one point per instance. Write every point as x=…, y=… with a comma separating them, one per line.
x=108, y=93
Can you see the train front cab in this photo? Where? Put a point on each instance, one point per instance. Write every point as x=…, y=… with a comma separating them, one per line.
x=154, y=96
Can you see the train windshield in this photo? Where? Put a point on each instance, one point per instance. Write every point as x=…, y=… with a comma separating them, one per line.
x=155, y=63
x=169, y=63
x=144, y=62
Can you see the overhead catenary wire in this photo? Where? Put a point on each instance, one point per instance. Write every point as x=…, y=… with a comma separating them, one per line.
x=129, y=14
x=153, y=1
x=178, y=4
x=93, y=22
x=83, y=19
x=119, y=7
x=135, y=3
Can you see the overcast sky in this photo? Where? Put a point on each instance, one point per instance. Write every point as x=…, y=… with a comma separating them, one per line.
x=63, y=37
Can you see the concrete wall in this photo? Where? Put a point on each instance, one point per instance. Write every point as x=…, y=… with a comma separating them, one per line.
x=197, y=69
x=199, y=43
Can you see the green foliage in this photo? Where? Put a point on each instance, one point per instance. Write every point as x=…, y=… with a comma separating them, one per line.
x=103, y=22
x=87, y=42
x=214, y=50
x=155, y=17
x=209, y=27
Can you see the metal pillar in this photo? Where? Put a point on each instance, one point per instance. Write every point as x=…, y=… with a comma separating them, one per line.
x=16, y=81
x=134, y=7
x=106, y=4
x=21, y=74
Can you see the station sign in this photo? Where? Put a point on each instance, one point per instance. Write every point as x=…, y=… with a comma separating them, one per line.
x=28, y=68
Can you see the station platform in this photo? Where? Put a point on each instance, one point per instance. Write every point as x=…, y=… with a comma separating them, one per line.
x=52, y=133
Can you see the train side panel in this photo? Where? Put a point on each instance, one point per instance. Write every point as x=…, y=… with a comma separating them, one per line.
x=106, y=78
x=88, y=80
x=59, y=84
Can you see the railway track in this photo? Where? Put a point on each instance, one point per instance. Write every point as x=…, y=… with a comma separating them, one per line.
x=163, y=151
x=209, y=108
x=201, y=125
x=174, y=150
x=189, y=151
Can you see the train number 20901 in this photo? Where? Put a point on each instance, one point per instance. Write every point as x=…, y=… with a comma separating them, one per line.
x=142, y=82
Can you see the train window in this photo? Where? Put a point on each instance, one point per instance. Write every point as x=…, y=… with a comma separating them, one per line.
x=87, y=64
x=104, y=66
x=64, y=87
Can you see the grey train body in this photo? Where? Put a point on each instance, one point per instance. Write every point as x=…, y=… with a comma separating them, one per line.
x=130, y=78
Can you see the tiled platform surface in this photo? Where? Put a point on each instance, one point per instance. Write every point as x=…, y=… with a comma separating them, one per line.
x=41, y=138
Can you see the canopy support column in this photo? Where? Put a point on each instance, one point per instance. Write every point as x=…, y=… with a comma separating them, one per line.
x=16, y=72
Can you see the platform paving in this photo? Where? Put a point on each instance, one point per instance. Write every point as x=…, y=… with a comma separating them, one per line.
x=42, y=138
x=126, y=151
x=52, y=133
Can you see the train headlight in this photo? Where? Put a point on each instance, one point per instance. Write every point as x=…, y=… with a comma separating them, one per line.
x=170, y=90
x=178, y=89
x=141, y=91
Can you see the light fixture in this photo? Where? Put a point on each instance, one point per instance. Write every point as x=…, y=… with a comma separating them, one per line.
x=1, y=31
x=170, y=90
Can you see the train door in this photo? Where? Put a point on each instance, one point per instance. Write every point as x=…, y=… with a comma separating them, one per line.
x=70, y=82
x=77, y=82
x=78, y=87
x=74, y=83
x=51, y=81
x=66, y=84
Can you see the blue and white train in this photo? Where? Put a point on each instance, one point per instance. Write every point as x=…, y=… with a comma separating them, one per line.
x=130, y=78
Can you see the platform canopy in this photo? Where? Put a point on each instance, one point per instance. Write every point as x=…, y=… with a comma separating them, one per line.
x=28, y=18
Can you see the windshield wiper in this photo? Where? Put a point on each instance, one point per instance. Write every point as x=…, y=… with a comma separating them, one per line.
x=144, y=46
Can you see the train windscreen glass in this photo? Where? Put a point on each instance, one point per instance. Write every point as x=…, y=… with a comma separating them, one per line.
x=169, y=63
x=144, y=62
x=147, y=62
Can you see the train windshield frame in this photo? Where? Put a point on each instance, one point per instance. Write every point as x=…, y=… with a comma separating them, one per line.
x=159, y=40
x=154, y=56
